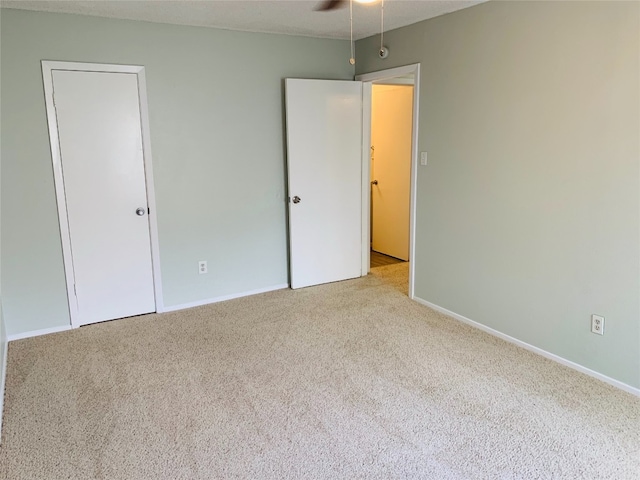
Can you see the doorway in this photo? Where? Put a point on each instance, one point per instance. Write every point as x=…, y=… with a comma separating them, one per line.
x=98, y=129
x=391, y=129
x=390, y=202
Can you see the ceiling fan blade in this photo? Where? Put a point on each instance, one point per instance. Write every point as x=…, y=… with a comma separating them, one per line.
x=329, y=5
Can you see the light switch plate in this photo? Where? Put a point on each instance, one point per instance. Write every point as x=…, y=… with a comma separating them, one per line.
x=423, y=158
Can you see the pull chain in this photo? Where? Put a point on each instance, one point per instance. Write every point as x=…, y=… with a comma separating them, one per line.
x=352, y=60
x=381, y=25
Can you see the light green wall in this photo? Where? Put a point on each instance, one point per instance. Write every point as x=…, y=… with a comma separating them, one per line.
x=217, y=136
x=528, y=214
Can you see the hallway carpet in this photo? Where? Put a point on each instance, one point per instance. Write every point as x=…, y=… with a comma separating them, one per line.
x=341, y=381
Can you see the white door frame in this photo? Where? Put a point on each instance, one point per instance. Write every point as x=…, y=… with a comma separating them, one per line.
x=368, y=79
x=47, y=75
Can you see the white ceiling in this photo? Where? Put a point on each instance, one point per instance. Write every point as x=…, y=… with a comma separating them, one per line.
x=293, y=17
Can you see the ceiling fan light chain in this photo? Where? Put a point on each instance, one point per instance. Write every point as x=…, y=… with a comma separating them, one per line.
x=384, y=51
x=352, y=60
x=381, y=25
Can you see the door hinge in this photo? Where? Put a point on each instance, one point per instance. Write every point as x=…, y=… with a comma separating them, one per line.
x=75, y=292
x=148, y=211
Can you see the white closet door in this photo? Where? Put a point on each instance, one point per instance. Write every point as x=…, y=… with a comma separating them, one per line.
x=99, y=130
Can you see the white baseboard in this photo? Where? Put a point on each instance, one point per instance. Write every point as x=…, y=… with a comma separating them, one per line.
x=37, y=333
x=172, y=308
x=199, y=303
x=3, y=378
x=551, y=356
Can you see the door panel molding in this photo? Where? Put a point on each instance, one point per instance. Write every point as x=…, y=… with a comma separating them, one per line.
x=47, y=75
x=367, y=80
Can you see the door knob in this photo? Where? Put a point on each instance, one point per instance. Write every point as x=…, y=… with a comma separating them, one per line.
x=140, y=211
x=296, y=199
x=375, y=182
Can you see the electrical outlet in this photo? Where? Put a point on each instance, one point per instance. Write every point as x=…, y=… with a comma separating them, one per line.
x=423, y=158
x=202, y=267
x=597, y=324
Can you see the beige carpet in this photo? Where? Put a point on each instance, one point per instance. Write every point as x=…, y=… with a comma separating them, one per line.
x=342, y=381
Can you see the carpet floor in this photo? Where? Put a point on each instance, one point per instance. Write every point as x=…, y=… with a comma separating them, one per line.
x=350, y=380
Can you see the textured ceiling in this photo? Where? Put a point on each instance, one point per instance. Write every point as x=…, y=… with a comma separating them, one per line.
x=294, y=17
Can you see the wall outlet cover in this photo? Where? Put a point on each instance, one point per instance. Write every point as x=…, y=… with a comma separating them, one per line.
x=202, y=267
x=597, y=324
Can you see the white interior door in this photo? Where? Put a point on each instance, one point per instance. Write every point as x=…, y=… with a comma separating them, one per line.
x=99, y=131
x=391, y=132
x=324, y=142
